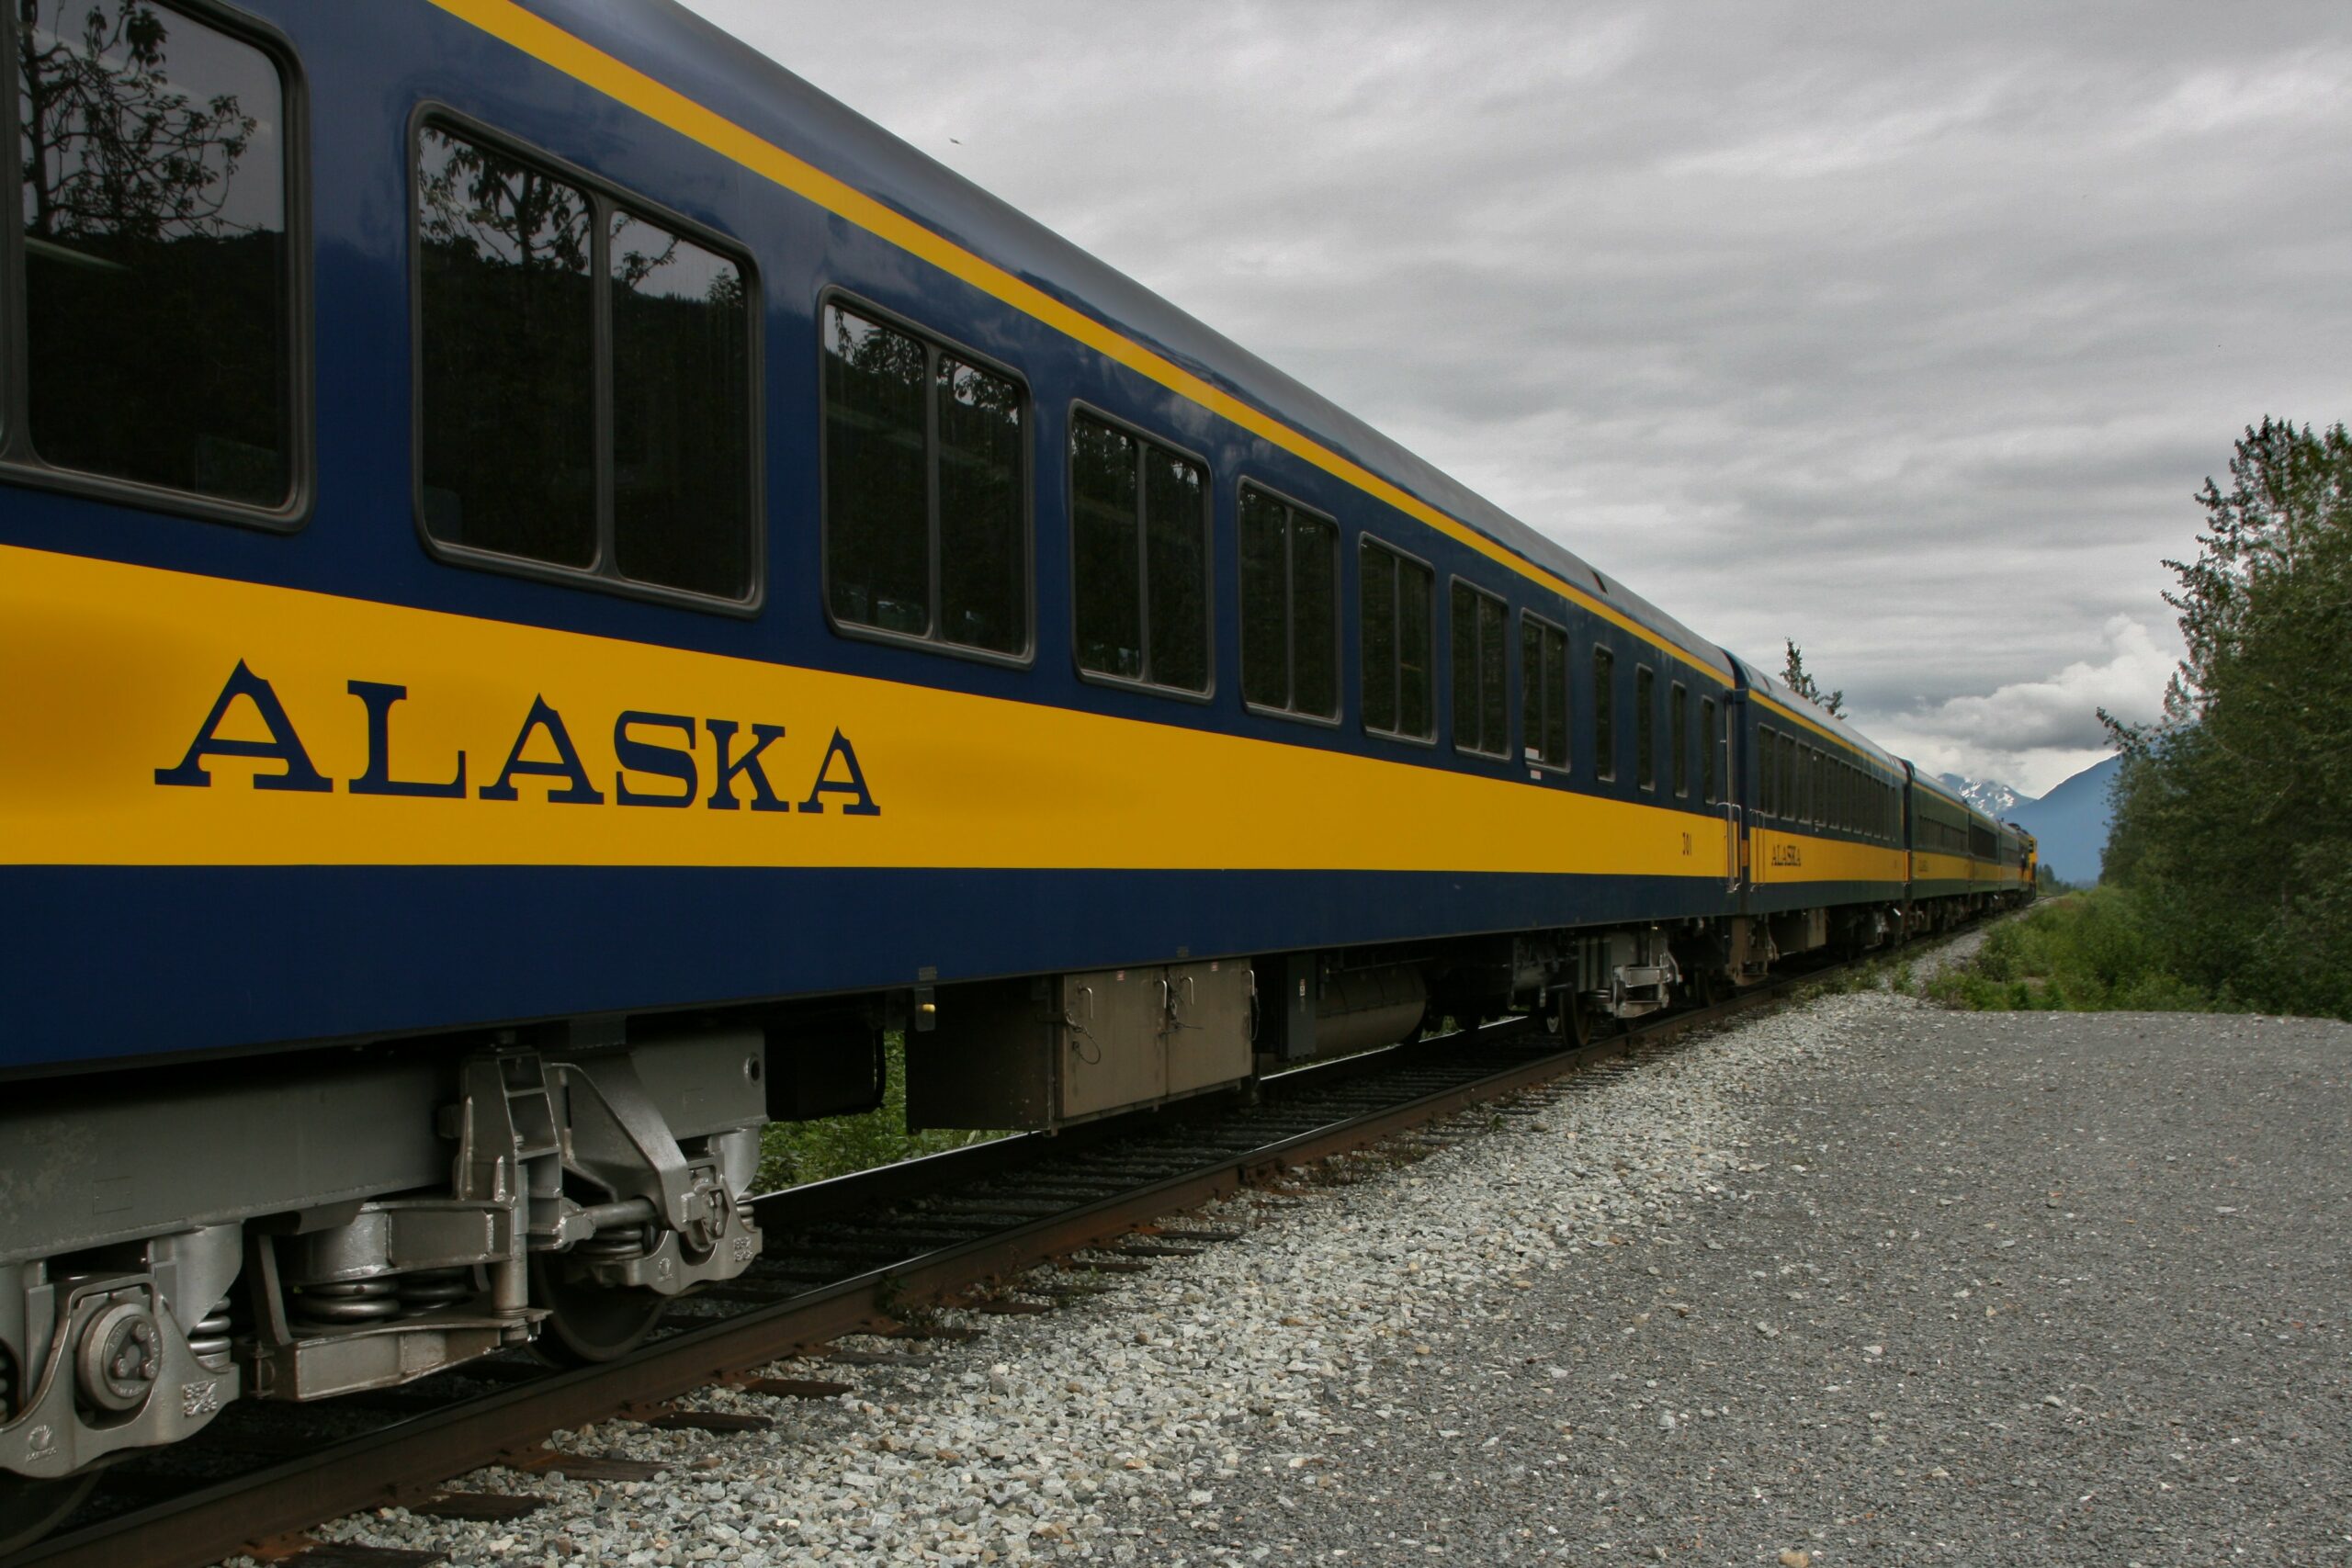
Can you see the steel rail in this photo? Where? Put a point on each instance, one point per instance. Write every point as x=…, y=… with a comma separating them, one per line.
x=412, y=1459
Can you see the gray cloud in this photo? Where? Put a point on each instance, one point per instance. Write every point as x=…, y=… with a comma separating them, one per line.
x=1904, y=332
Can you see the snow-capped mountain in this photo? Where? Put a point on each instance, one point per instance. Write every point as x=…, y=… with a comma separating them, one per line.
x=1995, y=800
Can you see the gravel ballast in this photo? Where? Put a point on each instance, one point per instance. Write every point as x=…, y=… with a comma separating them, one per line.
x=1858, y=1281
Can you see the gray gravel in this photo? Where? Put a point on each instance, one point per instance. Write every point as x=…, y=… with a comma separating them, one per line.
x=1863, y=1281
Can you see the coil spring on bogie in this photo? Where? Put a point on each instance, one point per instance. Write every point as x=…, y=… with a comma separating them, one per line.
x=615, y=1242
x=209, y=1340
x=423, y=1290
x=348, y=1303
x=8, y=1385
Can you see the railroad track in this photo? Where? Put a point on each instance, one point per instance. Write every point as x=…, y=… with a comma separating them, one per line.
x=859, y=1254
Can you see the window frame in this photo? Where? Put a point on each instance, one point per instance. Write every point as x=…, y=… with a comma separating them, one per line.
x=938, y=344
x=20, y=464
x=1079, y=407
x=602, y=575
x=1604, y=706
x=1366, y=537
x=1530, y=753
x=1339, y=714
x=1503, y=660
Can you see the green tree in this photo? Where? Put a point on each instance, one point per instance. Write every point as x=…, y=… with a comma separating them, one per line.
x=1793, y=676
x=2232, y=824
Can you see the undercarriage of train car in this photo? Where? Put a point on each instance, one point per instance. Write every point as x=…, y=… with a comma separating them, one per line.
x=372, y=1215
x=367, y=1217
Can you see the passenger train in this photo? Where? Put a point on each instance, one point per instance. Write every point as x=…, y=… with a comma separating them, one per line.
x=556, y=584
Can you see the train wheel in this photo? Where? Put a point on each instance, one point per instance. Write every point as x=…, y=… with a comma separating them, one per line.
x=1568, y=1020
x=587, y=1323
x=29, y=1509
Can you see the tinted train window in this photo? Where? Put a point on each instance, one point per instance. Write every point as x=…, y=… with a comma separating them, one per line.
x=1678, y=715
x=157, y=282
x=1140, y=519
x=1604, y=712
x=681, y=462
x=1394, y=600
x=521, y=272
x=926, y=489
x=1709, y=740
x=1290, y=607
x=1543, y=691
x=1481, y=706
x=1645, y=727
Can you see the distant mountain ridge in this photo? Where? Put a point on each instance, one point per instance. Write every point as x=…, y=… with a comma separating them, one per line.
x=2069, y=824
x=1995, y=800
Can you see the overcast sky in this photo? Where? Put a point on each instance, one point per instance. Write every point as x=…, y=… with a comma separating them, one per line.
x=1904, y=331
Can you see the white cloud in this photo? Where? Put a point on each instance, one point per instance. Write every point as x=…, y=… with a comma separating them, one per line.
x=1907, y=334
x=2033, y=734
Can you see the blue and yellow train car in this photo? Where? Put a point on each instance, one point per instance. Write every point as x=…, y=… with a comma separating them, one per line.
x=1827, y=862
x=556, y=583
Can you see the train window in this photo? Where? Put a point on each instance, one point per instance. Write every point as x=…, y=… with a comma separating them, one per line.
x=1394, y=598
x=682, y=461
x=1290, y=606
x=1604, y=712
x=1792, y=805
x=1767, y=789
x=540, y=298
x=1140, y=519
x=1645, y=727
x=1481, y=706
x=153, y=306
x=926, y=489
x=1678, y=715
x=1708, y=741
x=1542, y=691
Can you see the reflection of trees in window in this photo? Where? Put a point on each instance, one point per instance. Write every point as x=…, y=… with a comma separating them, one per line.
x=509, y=361
x=151, y=168
x=1139, y=531
x=682, y=466
x=1393, y=601
x=516, y=265
x=926, y=496
x=1289, y=562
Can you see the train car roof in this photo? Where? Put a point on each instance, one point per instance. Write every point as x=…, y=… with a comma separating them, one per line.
x=1756, y=680
x=695, y=56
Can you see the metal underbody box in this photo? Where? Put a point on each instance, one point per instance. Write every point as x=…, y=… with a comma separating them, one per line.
x=1044, y=1053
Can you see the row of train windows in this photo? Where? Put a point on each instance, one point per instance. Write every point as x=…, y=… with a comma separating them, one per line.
x=1800, y=783
x=586, y=406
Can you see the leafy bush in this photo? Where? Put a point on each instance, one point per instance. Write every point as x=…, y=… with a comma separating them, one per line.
x=2086, y=952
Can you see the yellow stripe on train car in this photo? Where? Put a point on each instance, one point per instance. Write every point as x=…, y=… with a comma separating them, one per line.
x=1780, y=858
x=163, y=718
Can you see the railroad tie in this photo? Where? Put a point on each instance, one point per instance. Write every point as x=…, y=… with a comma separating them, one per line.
x=481, y=1508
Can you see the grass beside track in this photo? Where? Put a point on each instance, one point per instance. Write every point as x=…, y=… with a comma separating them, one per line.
x=2088, y=952
x=795, y=1152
